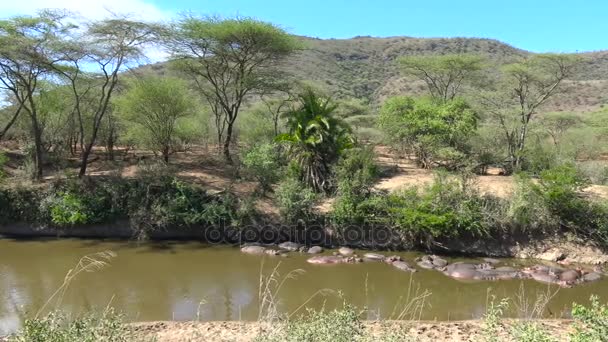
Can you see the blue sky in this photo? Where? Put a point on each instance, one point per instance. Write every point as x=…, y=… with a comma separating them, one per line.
x=536, y=25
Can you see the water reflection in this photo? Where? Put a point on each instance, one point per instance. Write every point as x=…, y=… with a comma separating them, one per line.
x=191, y=281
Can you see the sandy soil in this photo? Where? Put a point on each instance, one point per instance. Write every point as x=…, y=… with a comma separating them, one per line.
x=420, y=331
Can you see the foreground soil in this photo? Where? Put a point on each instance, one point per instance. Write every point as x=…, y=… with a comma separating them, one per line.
x=419, y=331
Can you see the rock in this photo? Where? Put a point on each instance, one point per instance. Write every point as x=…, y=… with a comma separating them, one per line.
x=491, y=261
x=438, y=262
x=373, y=257
x=290, y=246
x=552, y=254
x=315, y=250
x=345, y=251
x=252, y=249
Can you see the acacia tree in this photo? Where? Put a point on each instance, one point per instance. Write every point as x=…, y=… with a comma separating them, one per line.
x=25, y=60
x=523, y=89
x=158, y=106
x=12, y=114
x=444, y=75
x=106, y=47
x=228, y=59
x=437, y=132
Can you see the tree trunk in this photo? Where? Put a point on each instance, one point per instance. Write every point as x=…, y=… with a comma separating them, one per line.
x=84, y=161
x=39, y=151
x=10, y=123
x=227, y=141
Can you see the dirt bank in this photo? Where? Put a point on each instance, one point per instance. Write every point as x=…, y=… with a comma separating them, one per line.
x=420, y=331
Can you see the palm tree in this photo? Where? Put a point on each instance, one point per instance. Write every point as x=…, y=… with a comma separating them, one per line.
x=316, y=138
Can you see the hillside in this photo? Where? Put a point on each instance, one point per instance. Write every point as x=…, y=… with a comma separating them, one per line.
x=364, y=67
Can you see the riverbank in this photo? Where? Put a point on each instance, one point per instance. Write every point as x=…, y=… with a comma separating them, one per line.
x=565, y=248
x=471, y=330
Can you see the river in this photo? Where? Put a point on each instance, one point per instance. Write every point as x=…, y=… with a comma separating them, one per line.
x=192, y=281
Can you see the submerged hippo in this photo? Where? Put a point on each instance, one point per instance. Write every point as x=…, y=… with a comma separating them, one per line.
x=290, y=246
x=431, y=262
x=553, y=275
x=483, y=271
x=592, y=276
x=345, y=251
x=253, y=249
x=403, y=266
x=315, y=250
x=373, y=257
x=332, y=259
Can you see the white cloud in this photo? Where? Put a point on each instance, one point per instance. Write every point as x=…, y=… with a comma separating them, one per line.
x=93, y=10
x=90, y=9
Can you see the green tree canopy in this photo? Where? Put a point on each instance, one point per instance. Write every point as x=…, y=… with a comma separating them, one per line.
x=444, y=75
x=436, y=132
x=229, y=59
x=156, y=110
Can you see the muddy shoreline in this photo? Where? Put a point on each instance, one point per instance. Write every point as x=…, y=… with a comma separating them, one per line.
x=564, y=249
x=470, y=330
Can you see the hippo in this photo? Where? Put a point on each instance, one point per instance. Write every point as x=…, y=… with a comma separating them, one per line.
x=593, y=276
x=569, y=276
x=315, y=250
x=431, y=262
x=326, y=259
x=253, y=249
x=392, y=259
x=345, y=251
x=274, y=252
x=373, y=257
x=551, y=275
x=403, y=266
x=464, y=273
x=290, y=246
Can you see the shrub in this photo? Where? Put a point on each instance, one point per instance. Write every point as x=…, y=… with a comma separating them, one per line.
x=295, y=200
x=530, y=332
x=56, y=327
x=355, y=175
x=335, y=326
x=590, y=323
x=527, y=211
x=68, y=209
x=595, y=171
x=445, y=208
x=3, y=160
x=262, y=163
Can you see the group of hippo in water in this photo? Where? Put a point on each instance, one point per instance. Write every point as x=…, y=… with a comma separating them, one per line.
x=486, y=270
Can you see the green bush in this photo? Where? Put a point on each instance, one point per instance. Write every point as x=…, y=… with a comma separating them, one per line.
x=356, y=173
x=530, y=332
x=590, y=324
x=295, y=200
x=335, y=326
x=56, y=327
x=262, y=163
x=68, y=209
x=446, y=208
x=596, y=171
x=3, y=161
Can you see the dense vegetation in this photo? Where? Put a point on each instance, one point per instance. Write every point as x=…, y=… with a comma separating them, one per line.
x=76, y=96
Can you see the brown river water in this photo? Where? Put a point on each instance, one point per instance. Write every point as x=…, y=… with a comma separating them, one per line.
x=192, y=281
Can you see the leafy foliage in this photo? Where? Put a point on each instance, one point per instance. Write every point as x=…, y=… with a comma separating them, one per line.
x=436, y=132
x=295, y=200
x=316, y=139
x=356, y=173
x=56, y=327
x=262, y=163
x=156, y=110
x=591, y=323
